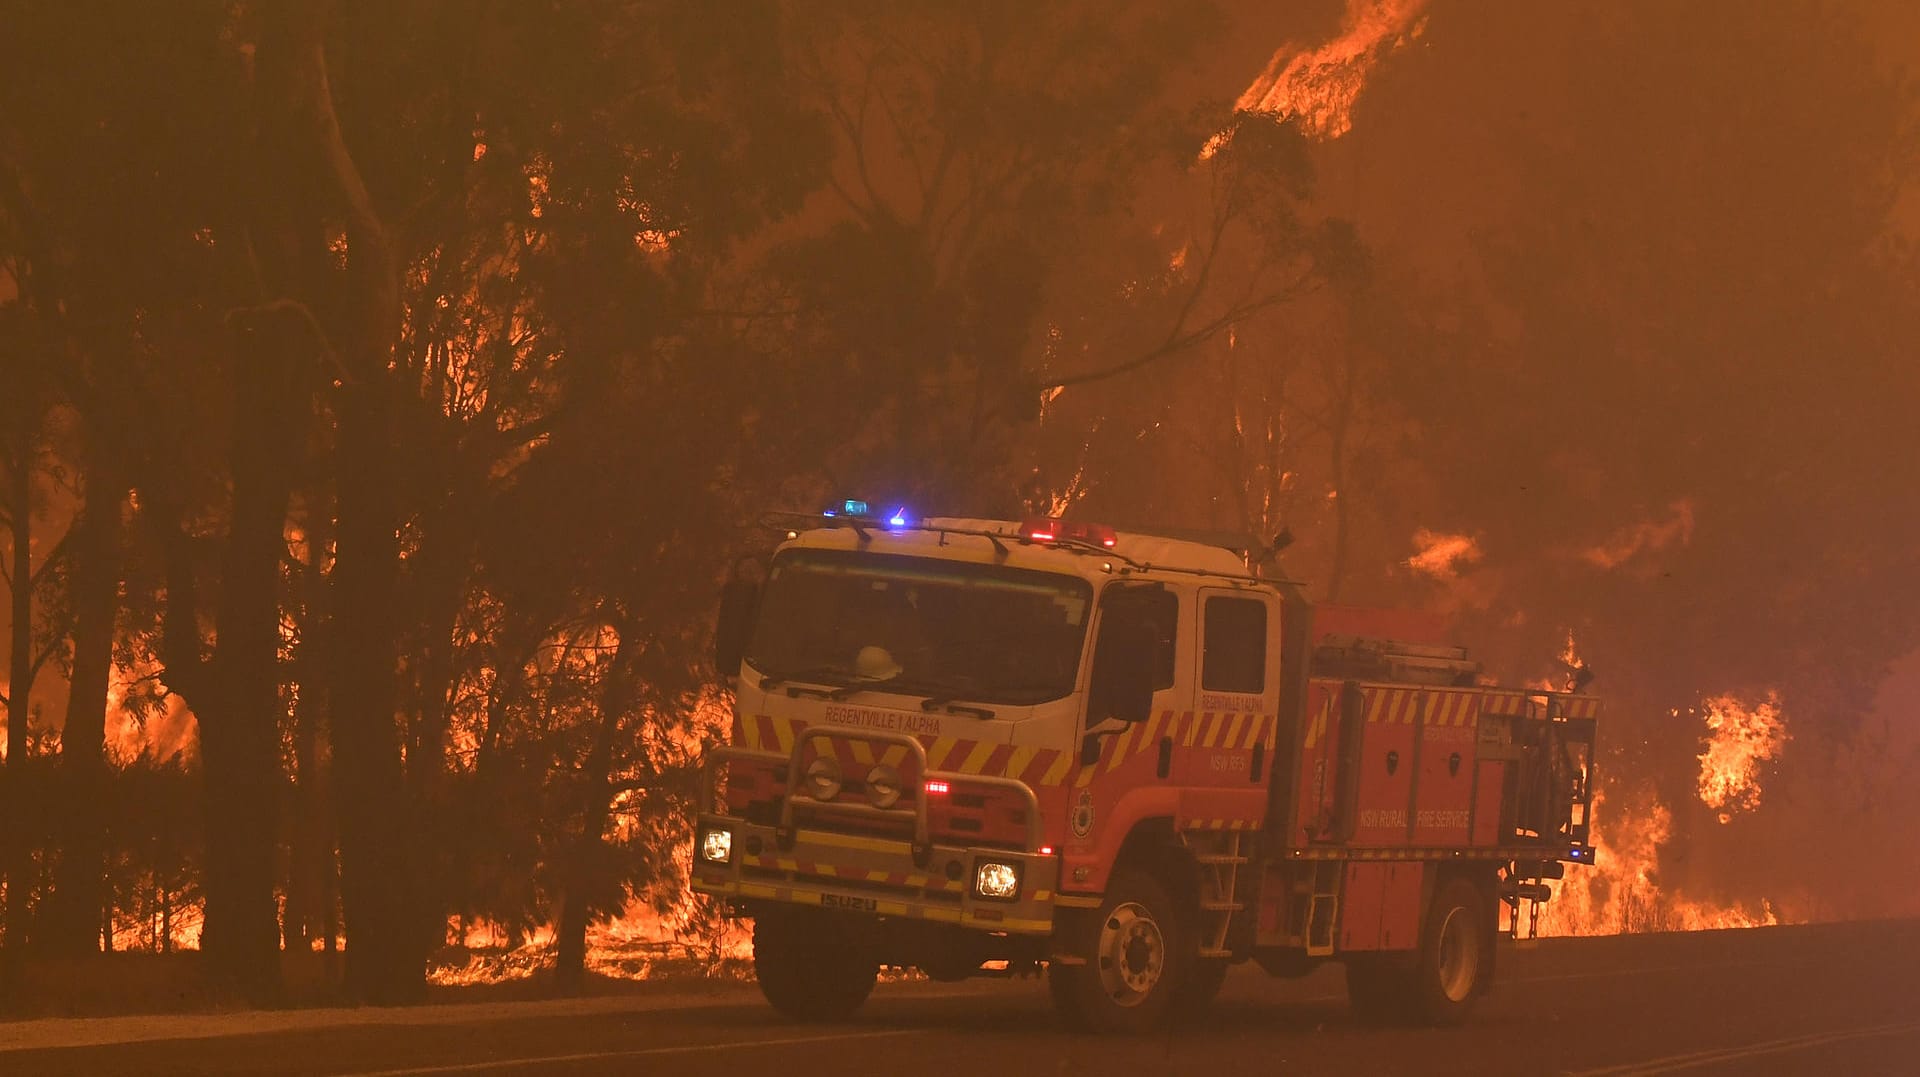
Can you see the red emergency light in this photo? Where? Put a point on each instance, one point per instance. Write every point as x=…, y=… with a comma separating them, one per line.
x=937, y=788
x=1054, y=529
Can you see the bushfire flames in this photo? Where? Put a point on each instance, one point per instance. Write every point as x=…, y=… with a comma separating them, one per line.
x=1624, y=892
x=1739, y=739
x=1317, y=87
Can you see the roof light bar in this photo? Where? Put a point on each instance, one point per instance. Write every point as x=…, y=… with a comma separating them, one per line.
x=1054, y=529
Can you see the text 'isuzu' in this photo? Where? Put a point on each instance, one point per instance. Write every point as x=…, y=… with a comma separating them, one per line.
x=985, y=747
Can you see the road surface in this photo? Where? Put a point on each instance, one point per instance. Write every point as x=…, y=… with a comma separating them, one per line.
x=1830, y=999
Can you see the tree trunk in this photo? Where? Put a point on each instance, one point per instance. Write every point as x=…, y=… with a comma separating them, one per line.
x=79, y=897
x=386, y=951
x=240, y=736
x=19, y=852
x=583, y=860
x=311, y=866
x=386, y=955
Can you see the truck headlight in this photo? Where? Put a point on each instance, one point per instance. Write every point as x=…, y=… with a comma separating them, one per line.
x=884, y=786
x=716, y=846
x=823, y=778
x=996, y=880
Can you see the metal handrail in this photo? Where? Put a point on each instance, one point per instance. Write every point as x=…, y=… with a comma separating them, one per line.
x=1035, y=832
x=795, y=797
x=719, y=754
x=813, y=733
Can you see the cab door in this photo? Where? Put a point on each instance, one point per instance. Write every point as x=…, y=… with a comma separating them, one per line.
x=1227, y=742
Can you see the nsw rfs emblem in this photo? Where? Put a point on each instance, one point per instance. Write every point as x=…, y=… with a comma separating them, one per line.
x=1083, y=814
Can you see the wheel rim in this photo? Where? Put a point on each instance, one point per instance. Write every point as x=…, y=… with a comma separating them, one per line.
x=1459, y=955
x=1132, y=954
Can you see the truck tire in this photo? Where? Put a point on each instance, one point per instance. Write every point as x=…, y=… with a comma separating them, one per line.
x=1134, y=951
x=810, y=966
x=1453, y=964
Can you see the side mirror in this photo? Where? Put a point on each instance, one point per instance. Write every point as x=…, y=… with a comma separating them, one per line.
x=1124, y=660
x=739, y=599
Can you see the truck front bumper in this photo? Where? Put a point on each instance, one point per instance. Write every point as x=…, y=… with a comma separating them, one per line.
x=875, y=876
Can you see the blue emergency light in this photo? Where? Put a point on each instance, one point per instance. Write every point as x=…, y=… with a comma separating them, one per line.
x=855, y=509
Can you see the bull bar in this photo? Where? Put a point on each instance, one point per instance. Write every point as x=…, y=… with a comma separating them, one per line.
x=872, y=887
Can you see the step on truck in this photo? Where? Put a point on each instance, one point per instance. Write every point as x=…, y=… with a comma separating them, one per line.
x=1129, y=759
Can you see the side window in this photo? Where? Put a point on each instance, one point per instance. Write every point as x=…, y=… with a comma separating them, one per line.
x=1164, y=611
x=1235, y=637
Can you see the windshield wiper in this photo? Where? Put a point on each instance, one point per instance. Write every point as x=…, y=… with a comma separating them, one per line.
x=938, y=693
x=833, y=675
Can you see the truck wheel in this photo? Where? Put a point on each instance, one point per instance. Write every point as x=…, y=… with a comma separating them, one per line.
x=1453, y=948
x=1133, y=950
x=810, y=966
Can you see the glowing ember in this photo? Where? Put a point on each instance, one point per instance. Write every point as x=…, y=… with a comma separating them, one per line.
x=1739, y=738
x=1317, y=88
x=1442, y=555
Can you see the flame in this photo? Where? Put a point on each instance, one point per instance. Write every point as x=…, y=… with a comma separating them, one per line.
x=1441, y=555
x=1621, y=892
x=1644, y=537
x=1317, y=88
x=158, y=724
x=1739, y=738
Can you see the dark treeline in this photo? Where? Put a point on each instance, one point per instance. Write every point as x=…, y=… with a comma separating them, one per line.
x=389, y=388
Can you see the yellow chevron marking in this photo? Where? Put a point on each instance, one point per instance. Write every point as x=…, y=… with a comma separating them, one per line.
x=1231, y=737
x=1121, y=744
x=877, y=876
x=786, y=864
x=1076, y=901
x=855, y=841
x=1376, y=705
x=1042, y=895
x=783, y=734
x=977, y=759
x=937, y=753
x=1017, y=762
x=1154, y=722
x=1193, y=727
x=1057, y=773
x=1011, y=924
x=895, y=755
x=862, y=752
x=1211, y=736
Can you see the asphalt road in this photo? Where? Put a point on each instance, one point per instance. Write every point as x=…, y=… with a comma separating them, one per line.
x=1831, y=999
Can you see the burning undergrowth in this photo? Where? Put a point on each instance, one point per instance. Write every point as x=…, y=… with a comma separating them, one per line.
x=1625, y=891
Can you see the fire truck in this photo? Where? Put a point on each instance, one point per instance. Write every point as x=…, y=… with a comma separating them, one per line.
x=1128, y=758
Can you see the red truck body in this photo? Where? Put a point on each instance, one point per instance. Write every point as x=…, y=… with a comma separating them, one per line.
x=979, y=746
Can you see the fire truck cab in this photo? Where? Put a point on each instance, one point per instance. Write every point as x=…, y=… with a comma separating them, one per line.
x=987, y=747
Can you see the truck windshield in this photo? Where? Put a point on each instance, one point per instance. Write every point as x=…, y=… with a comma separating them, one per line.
x=922, y=626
